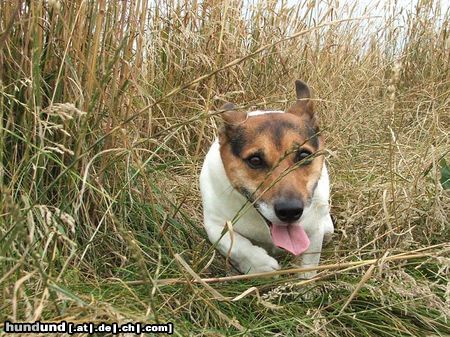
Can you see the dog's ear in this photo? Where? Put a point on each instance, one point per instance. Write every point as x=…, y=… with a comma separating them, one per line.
x=304, y=105
x=231, y=116
x=232, y=119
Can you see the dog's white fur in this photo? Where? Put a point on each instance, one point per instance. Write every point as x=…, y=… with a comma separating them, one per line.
x=250, y=232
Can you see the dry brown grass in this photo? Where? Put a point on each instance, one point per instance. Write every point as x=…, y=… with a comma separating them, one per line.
x=106, y=115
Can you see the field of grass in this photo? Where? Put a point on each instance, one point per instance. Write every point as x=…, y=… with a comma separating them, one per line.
x=106, y=113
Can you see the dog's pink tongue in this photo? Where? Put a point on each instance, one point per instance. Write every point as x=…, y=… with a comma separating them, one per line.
x=291, y=238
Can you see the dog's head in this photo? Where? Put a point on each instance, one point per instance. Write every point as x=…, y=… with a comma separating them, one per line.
x=274, y=159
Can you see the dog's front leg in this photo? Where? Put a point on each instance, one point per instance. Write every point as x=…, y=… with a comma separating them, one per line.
x=248, y=258
x=311, y=257
x=316, y=231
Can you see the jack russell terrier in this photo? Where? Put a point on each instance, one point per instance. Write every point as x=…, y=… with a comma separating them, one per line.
x=265, y=186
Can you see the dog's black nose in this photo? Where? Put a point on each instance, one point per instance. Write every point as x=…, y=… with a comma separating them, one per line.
x=289, y=210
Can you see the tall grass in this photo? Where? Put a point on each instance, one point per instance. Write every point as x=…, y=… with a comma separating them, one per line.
x=106, y=114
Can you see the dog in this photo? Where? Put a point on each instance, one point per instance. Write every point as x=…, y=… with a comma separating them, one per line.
x=265, y=187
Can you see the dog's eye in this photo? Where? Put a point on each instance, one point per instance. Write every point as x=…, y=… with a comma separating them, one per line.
x=303, y=156
x=255, y=162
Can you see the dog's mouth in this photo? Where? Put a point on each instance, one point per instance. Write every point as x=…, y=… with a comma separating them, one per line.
x=290, y=237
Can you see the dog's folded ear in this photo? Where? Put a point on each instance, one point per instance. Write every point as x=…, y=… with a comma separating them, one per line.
x=232, y=119
x=304, y=105
x=231, y=116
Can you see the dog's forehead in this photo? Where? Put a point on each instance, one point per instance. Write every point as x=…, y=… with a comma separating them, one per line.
x=279, y=128
x=275, y=132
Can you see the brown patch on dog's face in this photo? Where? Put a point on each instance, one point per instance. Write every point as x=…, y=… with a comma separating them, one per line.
x=270, y=157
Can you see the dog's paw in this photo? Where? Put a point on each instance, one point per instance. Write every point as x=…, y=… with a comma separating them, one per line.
x=268, y=266
x=259, y=262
